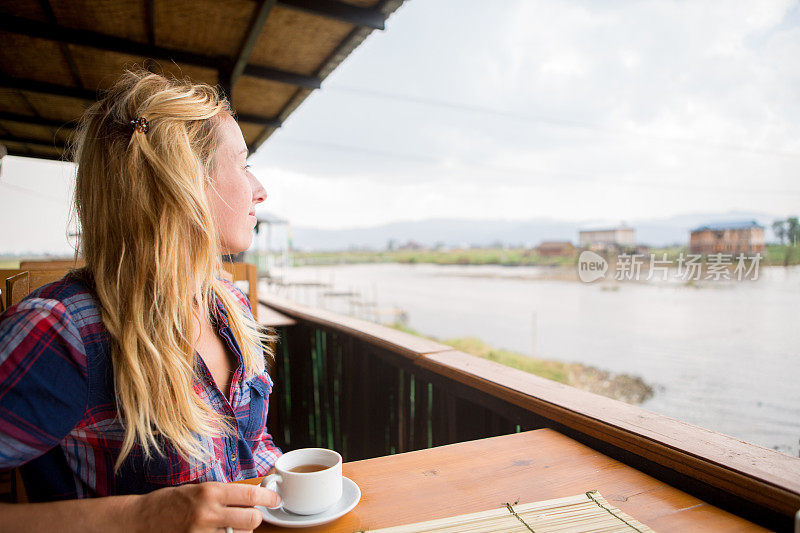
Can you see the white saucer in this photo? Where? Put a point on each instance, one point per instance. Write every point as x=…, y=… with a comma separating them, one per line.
x=351, y=495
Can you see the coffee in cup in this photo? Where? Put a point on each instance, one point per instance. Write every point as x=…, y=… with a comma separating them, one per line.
x=305, y=469
x=308, y=480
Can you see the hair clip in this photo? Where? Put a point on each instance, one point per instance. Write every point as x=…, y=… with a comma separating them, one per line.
x=140, y=124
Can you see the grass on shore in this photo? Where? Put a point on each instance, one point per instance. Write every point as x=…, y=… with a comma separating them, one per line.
x=554, y=370
x=782, y=254
x=630, y=389
x=775, y=254
x=471, y=256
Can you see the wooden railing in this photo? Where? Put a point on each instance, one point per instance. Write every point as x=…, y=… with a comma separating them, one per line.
x=368, y=390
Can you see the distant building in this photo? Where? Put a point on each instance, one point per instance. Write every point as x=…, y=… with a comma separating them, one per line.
x=556, y=249
x=744, y=236
x=621, y=237
x=412, y=245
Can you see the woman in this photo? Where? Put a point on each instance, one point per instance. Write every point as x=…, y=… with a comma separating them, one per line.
x=132, y=388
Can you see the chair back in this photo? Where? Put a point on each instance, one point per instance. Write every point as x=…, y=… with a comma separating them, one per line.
x=30, y=266
x=5, y=273
x=246, y=272
x=18, y=286
x=21, y=284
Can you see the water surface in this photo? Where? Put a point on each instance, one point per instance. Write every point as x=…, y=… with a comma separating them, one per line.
x=725, y=356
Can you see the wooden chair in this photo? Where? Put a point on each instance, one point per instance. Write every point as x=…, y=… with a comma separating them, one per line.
x=18, y=286
x=246, y=272
x=52, y=264
x=30, y=266
x=21, y=284
x=4, y=275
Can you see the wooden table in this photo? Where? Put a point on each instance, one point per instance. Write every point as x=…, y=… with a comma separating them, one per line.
x=535, y=465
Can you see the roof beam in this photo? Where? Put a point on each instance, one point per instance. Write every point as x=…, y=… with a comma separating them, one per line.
x=46, y=88
x=39, y=121
x=54, y=32
x=229, y=75
x=34, y=142
x=266, y=73
x=261, y=121
x=61, y=34
x=73, y=67
x=35, y=155
x=150, y=21
x=250, y=40
x=54, y=123
x=359, y=16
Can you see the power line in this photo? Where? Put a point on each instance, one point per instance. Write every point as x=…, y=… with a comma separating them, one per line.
x=522, y=117
x=522, y=171
x=417, y=158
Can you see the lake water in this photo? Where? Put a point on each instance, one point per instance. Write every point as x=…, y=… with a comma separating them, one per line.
x=725, y=356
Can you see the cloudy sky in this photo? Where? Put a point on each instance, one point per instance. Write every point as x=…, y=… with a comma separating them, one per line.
x=582, y=111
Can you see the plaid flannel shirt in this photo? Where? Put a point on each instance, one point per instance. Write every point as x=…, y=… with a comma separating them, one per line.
x=58, y=414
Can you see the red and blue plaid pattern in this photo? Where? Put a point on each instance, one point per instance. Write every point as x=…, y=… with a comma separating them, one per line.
x=58, y=416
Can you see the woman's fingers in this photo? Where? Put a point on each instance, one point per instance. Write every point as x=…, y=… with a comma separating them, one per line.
x=209, y=506
x=242, y=495
x=241, y=518
x=238, y=501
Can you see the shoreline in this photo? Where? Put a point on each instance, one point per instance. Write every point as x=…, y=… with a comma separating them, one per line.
x=773, y=255
x=623, y=387
x=701, y=279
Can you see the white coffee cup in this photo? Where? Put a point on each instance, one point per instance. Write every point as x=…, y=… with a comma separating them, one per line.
x=307, y=493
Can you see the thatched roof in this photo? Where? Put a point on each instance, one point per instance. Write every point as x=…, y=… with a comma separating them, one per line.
x=57, y=56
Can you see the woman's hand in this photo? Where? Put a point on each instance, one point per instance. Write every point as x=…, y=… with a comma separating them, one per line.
x=203, y=507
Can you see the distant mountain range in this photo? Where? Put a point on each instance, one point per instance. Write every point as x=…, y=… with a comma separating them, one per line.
x=455, y=232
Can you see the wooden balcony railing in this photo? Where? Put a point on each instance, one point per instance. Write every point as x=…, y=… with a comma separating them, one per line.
x=368, y=390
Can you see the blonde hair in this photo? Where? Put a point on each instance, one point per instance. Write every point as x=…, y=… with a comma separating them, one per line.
x=152, y=253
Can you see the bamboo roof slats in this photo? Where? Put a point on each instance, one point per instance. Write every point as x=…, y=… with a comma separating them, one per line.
x=214, y=30
x=261, y=97
x=60, y=109
x=30, y=131
x=315, y=37
x=57, y=57
x=35, y=59
x=124, y=18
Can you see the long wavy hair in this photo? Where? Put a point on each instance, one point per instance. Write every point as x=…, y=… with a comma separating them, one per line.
x=153, y=253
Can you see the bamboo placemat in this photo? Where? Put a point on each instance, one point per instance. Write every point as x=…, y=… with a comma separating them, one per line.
x=585, y=512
